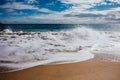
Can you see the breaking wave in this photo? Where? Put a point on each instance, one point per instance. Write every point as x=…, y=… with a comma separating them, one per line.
x=40, y=48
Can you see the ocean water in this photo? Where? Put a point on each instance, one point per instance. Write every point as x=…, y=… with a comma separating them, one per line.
x=58, y=44
x=58, y=27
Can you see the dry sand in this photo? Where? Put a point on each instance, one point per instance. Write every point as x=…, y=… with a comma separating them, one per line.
x=86, y=70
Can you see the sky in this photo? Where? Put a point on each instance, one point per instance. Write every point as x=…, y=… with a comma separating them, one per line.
x=59, y=11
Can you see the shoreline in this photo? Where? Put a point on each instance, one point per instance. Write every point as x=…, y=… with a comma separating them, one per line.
x=60, y=47
x=85, y=70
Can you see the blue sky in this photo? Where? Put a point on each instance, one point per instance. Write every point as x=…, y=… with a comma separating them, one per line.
x=59, y=11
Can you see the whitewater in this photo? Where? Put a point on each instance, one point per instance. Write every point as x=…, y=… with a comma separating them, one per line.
x=21, y=50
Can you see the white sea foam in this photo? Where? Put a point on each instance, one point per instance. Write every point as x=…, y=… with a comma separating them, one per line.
x=8, y=31
x=28, y=50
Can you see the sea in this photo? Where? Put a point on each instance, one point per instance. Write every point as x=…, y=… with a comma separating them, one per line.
x=58, y=44
x=58, y=27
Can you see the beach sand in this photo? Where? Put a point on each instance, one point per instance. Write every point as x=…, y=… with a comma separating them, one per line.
x=86, y=70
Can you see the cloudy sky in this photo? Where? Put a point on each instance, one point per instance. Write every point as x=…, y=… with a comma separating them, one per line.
x=60, y=11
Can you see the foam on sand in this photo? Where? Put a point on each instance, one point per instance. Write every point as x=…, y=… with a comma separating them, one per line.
x=19, y=50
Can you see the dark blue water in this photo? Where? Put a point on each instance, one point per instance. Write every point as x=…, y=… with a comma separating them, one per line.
x=58, y=27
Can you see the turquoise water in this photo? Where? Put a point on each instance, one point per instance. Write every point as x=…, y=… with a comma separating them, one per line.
x=58, y=27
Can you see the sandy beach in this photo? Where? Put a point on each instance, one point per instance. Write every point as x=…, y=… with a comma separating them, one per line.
x=86, y=70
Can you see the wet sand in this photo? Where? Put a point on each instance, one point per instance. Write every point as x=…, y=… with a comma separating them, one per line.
x=86, y=70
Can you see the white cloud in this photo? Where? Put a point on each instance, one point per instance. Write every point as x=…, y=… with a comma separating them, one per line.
x=17, y=13
x=82, y=4
x=17, y=5
x=79, y=7
x=117, y=1
x=21, y=6
x=31, y=1
x=81, y=1
x=60, y=18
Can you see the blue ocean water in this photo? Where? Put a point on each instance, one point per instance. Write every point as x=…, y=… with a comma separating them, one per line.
x=58, y=27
